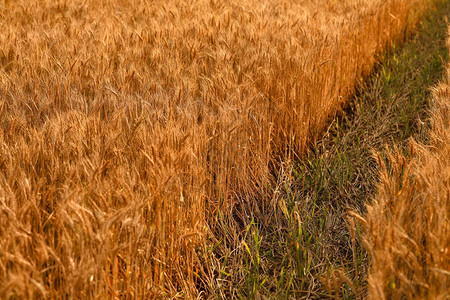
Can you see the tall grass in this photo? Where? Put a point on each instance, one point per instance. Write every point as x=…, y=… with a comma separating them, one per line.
x=127, y=125
x=408, y=229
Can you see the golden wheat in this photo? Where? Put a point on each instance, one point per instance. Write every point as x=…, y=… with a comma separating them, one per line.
x=122, y=120
x=408, y=229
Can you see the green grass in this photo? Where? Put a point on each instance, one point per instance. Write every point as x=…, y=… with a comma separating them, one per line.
x=301, y=245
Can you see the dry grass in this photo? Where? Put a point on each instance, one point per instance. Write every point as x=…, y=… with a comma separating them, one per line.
x=408, y=228
x=121, y=121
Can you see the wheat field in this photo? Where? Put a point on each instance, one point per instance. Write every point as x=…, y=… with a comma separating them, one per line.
x=408, y=229
x=126, y=126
